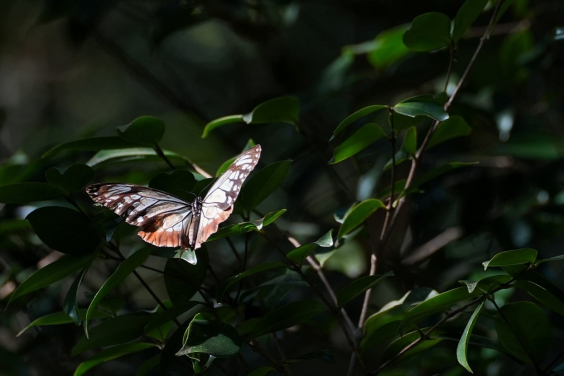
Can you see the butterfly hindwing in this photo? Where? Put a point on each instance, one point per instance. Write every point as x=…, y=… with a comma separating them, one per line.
x=168, y=221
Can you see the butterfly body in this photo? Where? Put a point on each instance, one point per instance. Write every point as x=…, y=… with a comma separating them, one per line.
x=168, y=221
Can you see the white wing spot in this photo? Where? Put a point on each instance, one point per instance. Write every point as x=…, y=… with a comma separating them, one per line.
x=140, y=219
x=127, y=199
x=135, y=197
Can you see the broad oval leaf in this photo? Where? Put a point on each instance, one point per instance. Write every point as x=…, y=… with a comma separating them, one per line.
x=359, y=286
x=224, y=286
x=106, y=158
x=286, y=316
x=60, y=318
x=358, y=214
x=179, y=183
x=514, y=257
x=183, y=280
x=466, y=15
x=277, y=110
x=428, y=32
x=123, y=270
x=299, y=254
x=111, y=353
x=542, y=295
x=64, y=229
x=72, y=179
x=462, y=348
x=455, y=126
x=262, y=184
x=49, y=274
x=355, y=116
x=145, y=130
x=528, y=343
x=113, y=331
x=208, y=335
x=359, y=141
x=410, y=141
x=437, y=304
x=244, y=227
x=220, y=122
x=90, y=144
x=23, y=193
x=423, y=105
x=388, y=47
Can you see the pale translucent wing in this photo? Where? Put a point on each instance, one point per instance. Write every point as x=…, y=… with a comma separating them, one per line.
x=218, y=203
x=164, y=219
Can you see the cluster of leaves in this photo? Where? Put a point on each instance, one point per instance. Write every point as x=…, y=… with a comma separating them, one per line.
x=204, y=319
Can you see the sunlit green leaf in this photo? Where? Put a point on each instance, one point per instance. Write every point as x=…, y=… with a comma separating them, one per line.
x=423, y=105
x=355, y=116
x=388, y=47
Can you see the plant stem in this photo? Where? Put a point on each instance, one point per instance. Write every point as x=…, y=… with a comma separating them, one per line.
x=162, y=155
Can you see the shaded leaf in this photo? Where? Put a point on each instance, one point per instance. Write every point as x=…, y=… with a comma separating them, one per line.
x=169, y=315
x=455, y=126
x=182, y=280
x=208, y=335
x=49, y=274
x=90, y=144
x=423, y=105
x=225, y=285
x=359, y=141
x=326, y=240
x=277, y=110
x=145, y=131
x=261, y=185
x=23, y=193
x=299, y=254
x=359, y=286
x=410, y=141
x=125, y=268
x=486, y=284
x=399, y=344
x=241, y=228
x=72, y=179
x=64, y=229
x=111, y=353
x=70, y=305
x=149, y=365
x=388, y=47
x=542, y=295
x=358, y=214
x=428, y=32
x=528, y=343
x=220, y=122
x=465, y=17
x=110, y=157
x=355, y=116
x=286, y=316
x=179, y=183
x=60, y=318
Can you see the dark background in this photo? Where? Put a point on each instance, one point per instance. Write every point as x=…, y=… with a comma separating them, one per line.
x=71, y=71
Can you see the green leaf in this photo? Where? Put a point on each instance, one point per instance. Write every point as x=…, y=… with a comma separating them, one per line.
x=182, y=280
x=225, y=285
x=326, y=240
x=208, y=335
x=388, y=47
x=486, y=284
x=72, y=179
x=465, y=17
x=526, y=333
x=515, y=257
x=168, y=315
x=90, y=144
x=454, y=126
x=262, y=371
x=555, y=258
x=113, y=331
x=355, y=116
x=410, y=141
x=437, y=304
x=179, y=183
x=49, y=274
x=277, y=110
x=358, y=214
x=360, y=140
x=287, y=316
x=70, y=305
x=359, y=286
x=23, y=193
x=145, y=131
x=514, y=49
x=401, y=343
x=111, y=353
x=149, y=365
x=230, y=161
x=262, y=184
x=220, y=122
x=462, y=348
x=59, y=318
x=428, y=32
x=106, y=158
x=125, y=268
x=543, y=295
x=299, y=254
x=533, y=146
x=241, y=228
x=423, y=105
x=64, y=229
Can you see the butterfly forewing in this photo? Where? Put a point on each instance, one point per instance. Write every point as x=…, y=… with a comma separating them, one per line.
x=168, y=221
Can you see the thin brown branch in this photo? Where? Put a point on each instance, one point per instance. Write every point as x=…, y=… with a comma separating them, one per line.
x=428, y=249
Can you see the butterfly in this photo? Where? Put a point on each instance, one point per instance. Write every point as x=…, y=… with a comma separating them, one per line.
x=167, y=221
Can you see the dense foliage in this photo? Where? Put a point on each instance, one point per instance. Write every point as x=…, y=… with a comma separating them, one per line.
x=405, y=216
